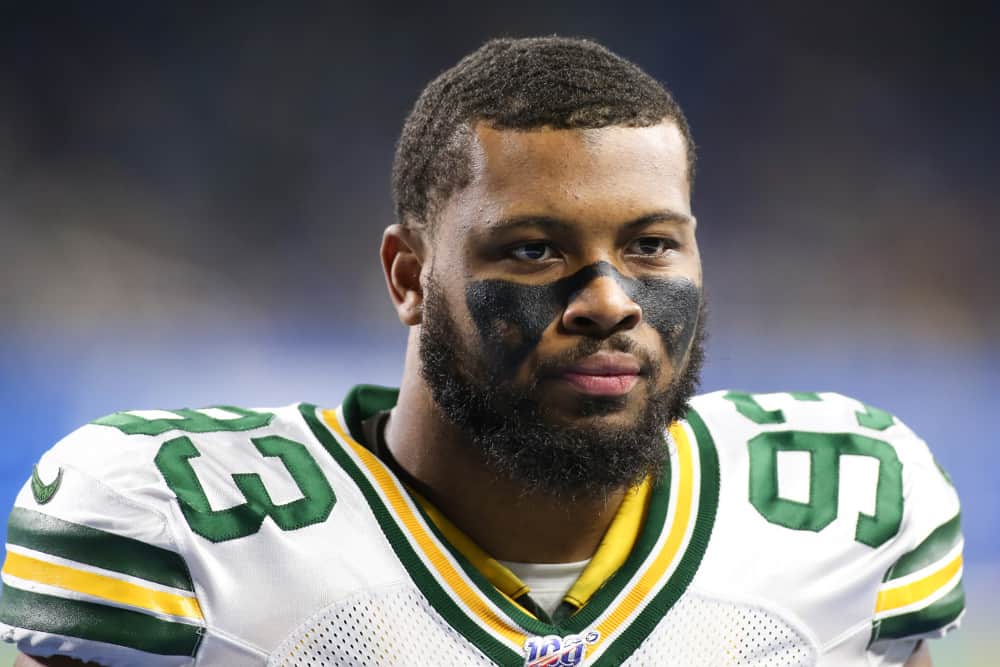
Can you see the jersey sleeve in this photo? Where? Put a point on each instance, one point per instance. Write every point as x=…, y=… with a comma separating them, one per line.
x=92, y=571
x=843, y=518
x=921, y=594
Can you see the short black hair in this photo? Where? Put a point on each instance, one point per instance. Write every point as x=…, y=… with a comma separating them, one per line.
x=528, y=83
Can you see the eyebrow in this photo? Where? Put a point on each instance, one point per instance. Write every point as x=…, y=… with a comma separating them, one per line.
x=552, y=224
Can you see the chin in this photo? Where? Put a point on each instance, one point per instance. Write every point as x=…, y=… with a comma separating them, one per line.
x=591, y=410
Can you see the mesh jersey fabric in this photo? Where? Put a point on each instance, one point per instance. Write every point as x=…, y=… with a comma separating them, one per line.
x=217, y=536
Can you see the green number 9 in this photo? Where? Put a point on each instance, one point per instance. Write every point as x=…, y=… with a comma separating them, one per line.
x=825, y=451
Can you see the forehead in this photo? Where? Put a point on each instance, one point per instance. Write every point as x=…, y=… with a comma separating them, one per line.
x=610, y=172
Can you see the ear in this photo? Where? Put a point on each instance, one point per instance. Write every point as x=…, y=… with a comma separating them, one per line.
x=402, y=254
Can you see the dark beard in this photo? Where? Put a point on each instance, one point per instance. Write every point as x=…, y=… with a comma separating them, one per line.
x=505, y=424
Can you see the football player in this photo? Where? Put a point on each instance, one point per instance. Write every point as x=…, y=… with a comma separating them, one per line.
x=543, y=488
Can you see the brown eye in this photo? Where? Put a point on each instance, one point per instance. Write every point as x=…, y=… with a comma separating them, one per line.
x=650, y=246
x=532, y=252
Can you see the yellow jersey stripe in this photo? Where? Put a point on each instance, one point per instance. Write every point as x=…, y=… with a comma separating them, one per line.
x=101, y=586
x=683, y=515
x=613, y=550
x=921, y=589
x=615, y=546
x=473, y=600
x=500, y=576
x=435, y=556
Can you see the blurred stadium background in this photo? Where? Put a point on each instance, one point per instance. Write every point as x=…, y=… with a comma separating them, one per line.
x=191, y=201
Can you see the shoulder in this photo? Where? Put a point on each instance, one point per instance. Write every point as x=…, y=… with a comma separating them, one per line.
x=129, y=433
x=122, y=450
x=806, y=454
x=824, y=410
x=822, y=487
x=156, y=461
x=834, y=433
x=839, y=422
x=101, y=563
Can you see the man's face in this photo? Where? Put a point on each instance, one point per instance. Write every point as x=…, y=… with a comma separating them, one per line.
x=563, y=299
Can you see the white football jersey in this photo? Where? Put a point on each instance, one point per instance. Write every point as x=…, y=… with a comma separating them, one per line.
x=789, y=530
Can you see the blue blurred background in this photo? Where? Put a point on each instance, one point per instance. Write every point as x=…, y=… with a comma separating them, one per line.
x=191, y=201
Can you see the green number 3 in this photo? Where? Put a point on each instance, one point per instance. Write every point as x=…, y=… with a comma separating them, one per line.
x=313, y=507
x=825, y=450
x=174, y=462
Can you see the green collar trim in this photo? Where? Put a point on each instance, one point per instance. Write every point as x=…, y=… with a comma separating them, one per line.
x=708, y=503
x=366, y=400
x=363, y=401
x=439, y=598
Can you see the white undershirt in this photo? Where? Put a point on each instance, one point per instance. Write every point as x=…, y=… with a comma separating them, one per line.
x=548, y=582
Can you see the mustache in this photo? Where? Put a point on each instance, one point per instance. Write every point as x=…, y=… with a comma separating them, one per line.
x=620, y=342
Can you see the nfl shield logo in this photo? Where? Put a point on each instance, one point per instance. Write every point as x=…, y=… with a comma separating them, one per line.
x=555, y=651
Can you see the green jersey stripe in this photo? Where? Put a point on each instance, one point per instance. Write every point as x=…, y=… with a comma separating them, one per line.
x=653, y=527
x=934, y=548
x=369, y=399
x=708, y=503
x=636, y=630
x=47, y=534
x=527, y=623
x=365, y=400
x=96, y=622
x=930, y=618
x=479, y=636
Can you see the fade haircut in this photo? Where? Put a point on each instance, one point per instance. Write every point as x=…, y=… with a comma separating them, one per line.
x=518, y=84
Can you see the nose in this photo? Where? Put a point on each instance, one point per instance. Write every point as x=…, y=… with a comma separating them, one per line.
x=601, y=308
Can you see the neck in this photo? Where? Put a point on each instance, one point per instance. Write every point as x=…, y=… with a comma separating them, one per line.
x=492, y=510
